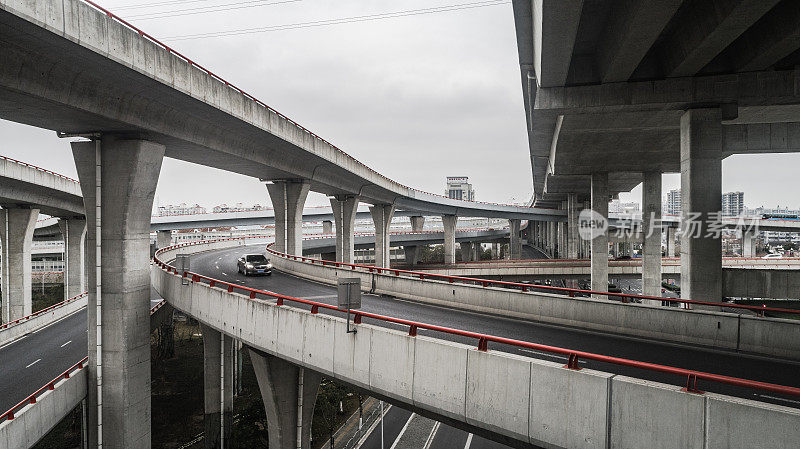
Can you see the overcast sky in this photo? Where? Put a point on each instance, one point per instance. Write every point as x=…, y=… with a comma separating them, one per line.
x=417, y=98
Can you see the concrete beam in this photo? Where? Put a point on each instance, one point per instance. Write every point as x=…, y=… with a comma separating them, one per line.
x=120, y=285
x=633, y=28
x=555, y=27
x=16, y=232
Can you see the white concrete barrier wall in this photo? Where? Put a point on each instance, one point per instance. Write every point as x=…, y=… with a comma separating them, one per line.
x=32, y=422
x=25, y=327
x=767, y=336
x=517, y=397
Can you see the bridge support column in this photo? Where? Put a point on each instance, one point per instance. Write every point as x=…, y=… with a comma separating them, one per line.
x=477, y=250
x=466, y=251
x=495, y=250
x=599, y=262
x=382, y=217
x=16, y=231
x=651, y=228
x=748, y=243
x=289, y=393
x=344, y=216
x=413, y=252
x=515, y=241
x=572, y=226
x=73, y=230
x=671, y=242
x=327, y=227
x=288, y=198
x=449, y=224
x=701, y=197
x=218, y=388
x=119, y=285
x=163, y=239
x=551, y=238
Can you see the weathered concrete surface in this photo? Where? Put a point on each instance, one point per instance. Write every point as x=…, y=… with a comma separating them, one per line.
x=129, y=174
x=53, y=194
x=715, y=329
x=288, y=199
x=344, y=212
x=515, y=242
x=651, y=227
x=34, y=421
x=701, y=193
x=506, y=397
x=217, y=388
x=163, y=239
x=73, y=231
x=600, y=241
x=382, y=218
x=449, y=223
x=16, y=234
x=763, y=283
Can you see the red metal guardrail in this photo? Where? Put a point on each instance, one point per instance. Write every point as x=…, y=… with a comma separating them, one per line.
x=571, y=292
x=692, y=377
x=32, y=398
x=41, y=312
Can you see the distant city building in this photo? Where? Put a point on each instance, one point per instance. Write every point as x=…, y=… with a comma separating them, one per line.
x=618, y=207
x=181, y=209
x=459, y=188
x=673, y=204
x=732, y=204
x=238, y=207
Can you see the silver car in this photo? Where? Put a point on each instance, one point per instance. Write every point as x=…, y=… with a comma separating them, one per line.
x=254, y=264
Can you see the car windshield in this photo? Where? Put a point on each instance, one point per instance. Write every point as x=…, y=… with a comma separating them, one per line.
x=256, y=258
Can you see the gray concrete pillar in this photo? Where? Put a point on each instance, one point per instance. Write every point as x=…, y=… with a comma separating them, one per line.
x=599, y=260
x=651, y=228
x=218, y=388
x=449, y=224
x=551, y=238
x=417, y=223
x=572, y=226
x=289, y=393
x=701, y=199
x=16, y=232
x=119, y=286
x=515, y=242
x=327, y=227
x=382, y=217
x=163, y=239
x=671, y=242
x=73, y=231
x=477, y=250
x=288, y=198
x=466, y=251
x=344, y=213
x=748, y=243
x=495, y=250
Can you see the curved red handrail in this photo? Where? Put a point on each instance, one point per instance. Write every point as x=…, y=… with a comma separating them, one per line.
x=43, y=311
x=31, y=398
x=692, y=376
x=572, y=292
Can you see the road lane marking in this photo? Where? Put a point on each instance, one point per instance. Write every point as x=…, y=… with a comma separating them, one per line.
x=429, y=441
x=66, y=343
x=402, y=431
x=469, y=441
x=224, y=273
x=547, y=354
x=766, y=396
x=34, y=363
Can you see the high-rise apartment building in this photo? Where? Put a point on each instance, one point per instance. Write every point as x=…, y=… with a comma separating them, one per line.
x=673, y=205
x=732, y=204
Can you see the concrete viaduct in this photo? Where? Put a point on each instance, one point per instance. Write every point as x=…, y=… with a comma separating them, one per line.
x=74, y=68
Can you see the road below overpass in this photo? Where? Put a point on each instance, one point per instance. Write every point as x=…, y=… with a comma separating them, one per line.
x=222, y=265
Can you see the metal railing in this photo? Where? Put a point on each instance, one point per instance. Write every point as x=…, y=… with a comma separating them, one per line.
x=43, y=311
x=567, y=291
x=483, y=340
x=32, y=398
